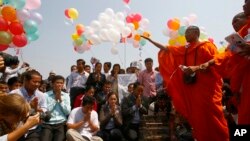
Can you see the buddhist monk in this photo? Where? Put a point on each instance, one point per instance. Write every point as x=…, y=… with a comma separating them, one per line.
x=197, y=99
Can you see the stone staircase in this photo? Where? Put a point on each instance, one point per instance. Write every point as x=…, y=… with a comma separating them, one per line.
x=154, y=128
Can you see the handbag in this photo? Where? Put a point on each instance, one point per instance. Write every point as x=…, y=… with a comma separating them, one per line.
x=189, y=79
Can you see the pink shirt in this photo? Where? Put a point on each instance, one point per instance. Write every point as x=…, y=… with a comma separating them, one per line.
x=147, y=79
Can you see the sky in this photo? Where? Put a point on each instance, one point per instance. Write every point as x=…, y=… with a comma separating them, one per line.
x=54, y=50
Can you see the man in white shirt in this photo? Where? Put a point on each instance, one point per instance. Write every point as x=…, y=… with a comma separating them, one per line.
x=83, y=122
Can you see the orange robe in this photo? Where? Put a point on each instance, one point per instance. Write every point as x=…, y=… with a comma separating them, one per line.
x=240, y=82
x=199, y=103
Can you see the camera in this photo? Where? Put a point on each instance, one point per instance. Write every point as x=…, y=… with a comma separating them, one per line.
x=44, y=116
x=9, y=59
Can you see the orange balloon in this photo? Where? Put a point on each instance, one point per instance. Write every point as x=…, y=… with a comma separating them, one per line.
x=173, y=24
x=137, y=37
x=146, y=34
x=9, y=13
x=79, y=27
x=136, y=24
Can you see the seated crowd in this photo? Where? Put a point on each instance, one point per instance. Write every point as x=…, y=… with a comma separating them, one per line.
x=86, y=106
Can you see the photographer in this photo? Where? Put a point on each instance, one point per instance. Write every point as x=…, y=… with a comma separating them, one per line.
x=14, y=110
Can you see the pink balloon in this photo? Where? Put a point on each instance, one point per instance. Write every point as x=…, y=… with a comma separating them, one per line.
x=137, y=17
x=32, y=4
x=129, y=19
x=126, y=1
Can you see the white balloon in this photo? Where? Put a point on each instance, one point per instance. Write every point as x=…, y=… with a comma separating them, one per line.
x=103, y=18
x=103, y=34
x=37, y=17
x=131, y=26
x=95, y=39
x=120, y=16
x=192, y=18
x=95, y=25
x=88, y=32
x=119, y=25
x=126, y=31
x=114, y=35
x=23, y=15
x=144, y=23
x=136, y=44
x=186, y=21
x=110, y=12
x=114, y=50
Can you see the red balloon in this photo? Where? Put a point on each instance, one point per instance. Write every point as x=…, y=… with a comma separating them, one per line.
x=16, y=28
x=66, y=13
x=3, y=24
x=126, y=1
x=129, y=19
x=19, y=40
x=3, y=47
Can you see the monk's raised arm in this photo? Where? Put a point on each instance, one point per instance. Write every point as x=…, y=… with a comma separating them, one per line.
x=160, y=46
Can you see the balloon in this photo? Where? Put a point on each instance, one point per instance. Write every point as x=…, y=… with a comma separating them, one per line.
x=137, y=17
x=173, y=34
x=103, y=34
x=146, y=34
x=73, y=13
x=137, y=37
x=173, y=24
x=3, y=47
x=126, y=1
x=186, y=21
x=136, y=44
x=192, y=18
x=129, y=19
x=95, y=25
x=16, y=28
x=110, y=12
x=136, y=24
x=79, y=26
x=144, y=23
x=181, y=40
x=114, y=50
x=211, y=40
x=114, y=35
x=30, y=26
x=1, y=2
x=172, y=42
x=19, y=40
x=120, y=16
x=103, y=18
x=74, y=36
x=32, y=4
x=66, y=13
x=9, y=13
x=37, y=17
x=143, y=42
x=78, y=41
x=182, y=30
x=5, y=38
x=126, y=31
x=23, y=15
x=95, y=39
x=79, y=49
x=18, y=4
x=33, y=37
x=3, y=24
x=79, y=29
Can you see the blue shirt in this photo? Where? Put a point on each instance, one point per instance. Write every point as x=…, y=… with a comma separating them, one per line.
x=59, y=110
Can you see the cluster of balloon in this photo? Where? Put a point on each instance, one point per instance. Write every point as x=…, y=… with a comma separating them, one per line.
x=18, y=23
x=176, y=30
x=110, y=27
x=71, y=14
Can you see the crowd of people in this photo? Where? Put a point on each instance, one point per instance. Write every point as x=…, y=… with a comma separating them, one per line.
x=198, y=90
